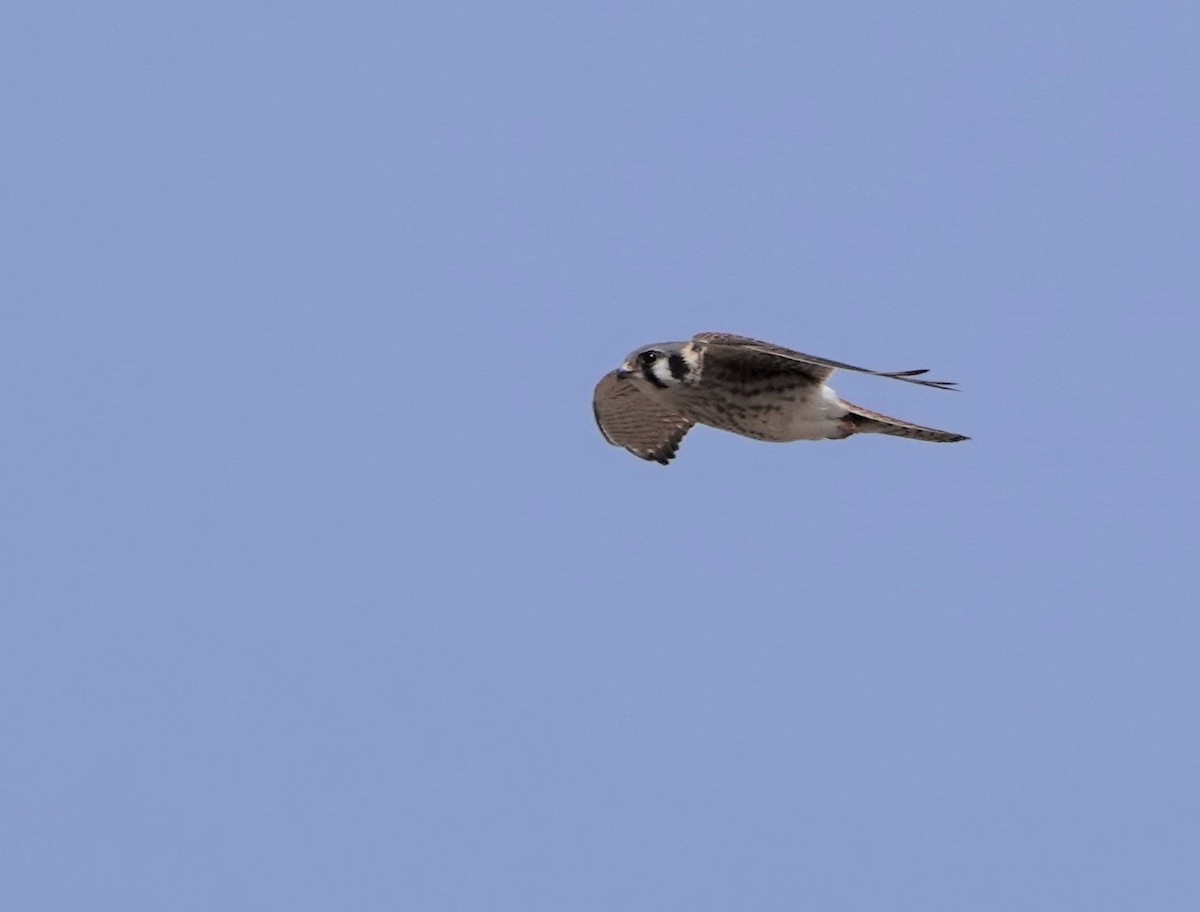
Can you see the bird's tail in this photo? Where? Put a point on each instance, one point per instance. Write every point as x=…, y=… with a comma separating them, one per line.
x=864, y=421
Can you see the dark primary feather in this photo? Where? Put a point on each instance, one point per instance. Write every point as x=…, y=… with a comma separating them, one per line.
x=758, y=358
x=629, y=418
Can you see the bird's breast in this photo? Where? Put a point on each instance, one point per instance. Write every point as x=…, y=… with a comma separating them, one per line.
x=768, y=411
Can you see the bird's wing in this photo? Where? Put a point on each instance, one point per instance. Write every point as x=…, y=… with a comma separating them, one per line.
x=629, y=418
x=757, y=355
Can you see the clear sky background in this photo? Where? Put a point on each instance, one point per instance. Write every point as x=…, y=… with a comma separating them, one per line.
x=322, y=591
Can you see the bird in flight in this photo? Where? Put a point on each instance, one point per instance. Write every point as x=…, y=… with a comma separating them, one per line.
x=734, y=383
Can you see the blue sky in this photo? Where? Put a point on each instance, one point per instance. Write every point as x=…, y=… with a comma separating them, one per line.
x=323, y=591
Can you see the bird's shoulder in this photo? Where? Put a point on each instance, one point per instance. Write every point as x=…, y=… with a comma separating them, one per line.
x=735, y=358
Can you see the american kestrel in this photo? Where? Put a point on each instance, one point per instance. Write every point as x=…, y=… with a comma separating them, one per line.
x=737, y=384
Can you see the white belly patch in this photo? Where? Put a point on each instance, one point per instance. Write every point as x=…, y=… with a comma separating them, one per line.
x=816, y=417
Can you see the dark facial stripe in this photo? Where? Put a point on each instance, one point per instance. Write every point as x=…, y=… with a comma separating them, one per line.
x=677, y=366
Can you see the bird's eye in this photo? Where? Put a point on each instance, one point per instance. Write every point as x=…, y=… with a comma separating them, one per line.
x=649, y=357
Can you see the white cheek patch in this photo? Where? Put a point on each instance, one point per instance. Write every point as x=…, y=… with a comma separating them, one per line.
x=662, y=372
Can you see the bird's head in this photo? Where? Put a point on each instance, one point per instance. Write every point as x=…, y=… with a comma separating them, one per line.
x=662, y=365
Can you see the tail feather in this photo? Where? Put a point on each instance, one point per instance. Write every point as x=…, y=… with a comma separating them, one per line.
x=864, y=421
